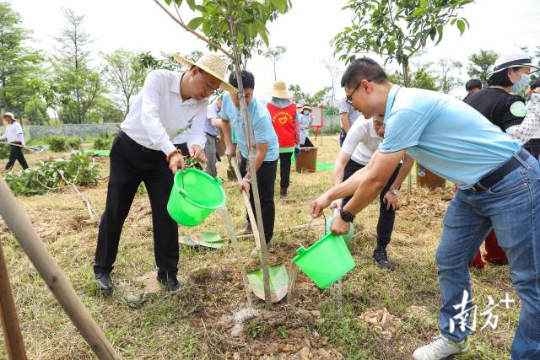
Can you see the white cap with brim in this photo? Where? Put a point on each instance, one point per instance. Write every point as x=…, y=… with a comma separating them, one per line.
x=210, y=64
x=10, y=115
x=513, y=61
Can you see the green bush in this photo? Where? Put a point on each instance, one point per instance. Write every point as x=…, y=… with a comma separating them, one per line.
x=75, y=143
x=4, y=151
x=57, y=143
x=77, y=169
x=103, y=142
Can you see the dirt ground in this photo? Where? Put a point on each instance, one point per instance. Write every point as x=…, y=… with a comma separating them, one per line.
x=374, y=314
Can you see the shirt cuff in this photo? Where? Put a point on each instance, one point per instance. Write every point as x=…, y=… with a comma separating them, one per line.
x=167, y=147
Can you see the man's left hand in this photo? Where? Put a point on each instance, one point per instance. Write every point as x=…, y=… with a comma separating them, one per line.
x=340, y=227
x=391, y=201
x=244, y=186
x=197, y=153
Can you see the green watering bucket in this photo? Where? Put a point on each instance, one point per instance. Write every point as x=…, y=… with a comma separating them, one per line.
x=326, y=261
x=347, y=236
x=194, y=196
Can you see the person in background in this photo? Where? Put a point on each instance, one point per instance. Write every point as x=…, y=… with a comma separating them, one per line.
x=472, y=86
x=285, y=122
x=211, y=129
x=362, y=141
x=168, y=104
x=15, y=137
x=305, y=120
x=533, y=145
x=508, y=111
x=347, y=115
x=266, y=144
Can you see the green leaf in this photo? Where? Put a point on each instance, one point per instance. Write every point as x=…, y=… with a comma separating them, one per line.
x=195, y=23
x=264, y=34
x=423, y=3
x=461, y=26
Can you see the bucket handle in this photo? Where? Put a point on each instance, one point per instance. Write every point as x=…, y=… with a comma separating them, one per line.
x=309, y=225
x=181, y=191
x=218, y=180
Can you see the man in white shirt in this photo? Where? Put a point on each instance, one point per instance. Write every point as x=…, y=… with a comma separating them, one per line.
x=14, y=135
x=169, y=103
x=363, y=139
x=347, y=115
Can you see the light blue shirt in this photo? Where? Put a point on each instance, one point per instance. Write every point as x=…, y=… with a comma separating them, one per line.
x=211, y=113
x=261, y=123
x=445, y=135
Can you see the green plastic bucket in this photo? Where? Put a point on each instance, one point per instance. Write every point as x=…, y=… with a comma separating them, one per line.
x=194, y=196
x=347, y=236
x=326, y=261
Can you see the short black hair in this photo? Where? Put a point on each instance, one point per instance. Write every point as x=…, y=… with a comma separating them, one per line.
x=501, y=78
x=248, y=80
x=473, y=84
x=535, y=84
x=363, y=69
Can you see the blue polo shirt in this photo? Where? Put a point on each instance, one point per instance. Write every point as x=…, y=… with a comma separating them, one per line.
x=261, y=123
x=445, y=135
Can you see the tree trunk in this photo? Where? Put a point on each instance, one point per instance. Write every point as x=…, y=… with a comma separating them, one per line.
x=252, y=168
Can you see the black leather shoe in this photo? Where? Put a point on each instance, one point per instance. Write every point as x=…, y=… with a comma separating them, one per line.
x=171, y=283
x=381, y=259
x=104, y=283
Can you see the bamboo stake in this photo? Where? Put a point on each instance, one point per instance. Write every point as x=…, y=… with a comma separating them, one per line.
x=252, y=168
x=251, y=216
x=55, y=278
x=8, y=315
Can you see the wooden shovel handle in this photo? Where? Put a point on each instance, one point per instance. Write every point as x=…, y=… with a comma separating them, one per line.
x=245, y=195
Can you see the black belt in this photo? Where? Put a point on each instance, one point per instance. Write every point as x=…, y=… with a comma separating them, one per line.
x=129, y=140
x=212, y=135
x=510, y=165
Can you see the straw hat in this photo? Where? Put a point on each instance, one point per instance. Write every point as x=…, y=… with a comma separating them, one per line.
x=211, y=64
x=10, y=115
x=279, y=90
x=508, y=61
x=306, y=107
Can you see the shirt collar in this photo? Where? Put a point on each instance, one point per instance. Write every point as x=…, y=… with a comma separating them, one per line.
x=390, y=101
x=176, y=87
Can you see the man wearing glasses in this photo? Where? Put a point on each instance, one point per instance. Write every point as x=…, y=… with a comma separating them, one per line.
x=169, y=103
x=497, y=179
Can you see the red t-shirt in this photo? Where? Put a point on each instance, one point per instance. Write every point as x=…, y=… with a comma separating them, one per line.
x=283, y=122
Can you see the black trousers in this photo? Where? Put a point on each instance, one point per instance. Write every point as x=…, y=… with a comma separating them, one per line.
x=307, y=143
x=266, y=177
x=132, y=164
x=16, y=154
x=342, y=137
x=385, y=225
x=285, y=169
x=533, y=146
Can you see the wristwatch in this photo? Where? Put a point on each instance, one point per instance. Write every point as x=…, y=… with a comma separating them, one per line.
x=394, y=191
x=346, y=216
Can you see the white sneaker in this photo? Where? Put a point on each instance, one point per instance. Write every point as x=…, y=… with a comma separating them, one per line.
x=442, y=348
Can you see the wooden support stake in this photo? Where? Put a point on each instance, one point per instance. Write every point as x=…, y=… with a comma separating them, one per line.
x=56, y=280
x=8, y=315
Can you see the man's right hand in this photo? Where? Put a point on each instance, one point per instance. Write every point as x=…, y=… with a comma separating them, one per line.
x=177, y=162
x=229, y=152
x=319, y=205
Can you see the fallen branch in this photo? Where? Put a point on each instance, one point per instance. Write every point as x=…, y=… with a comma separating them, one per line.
x=91, y=211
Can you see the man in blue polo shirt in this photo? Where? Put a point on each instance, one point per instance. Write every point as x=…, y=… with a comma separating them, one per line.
x=266, y=143
x=496, y=177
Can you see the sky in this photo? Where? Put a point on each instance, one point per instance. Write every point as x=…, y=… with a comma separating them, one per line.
x=306, y=31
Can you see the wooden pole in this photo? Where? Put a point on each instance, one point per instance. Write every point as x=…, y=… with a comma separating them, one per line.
x=8, y=314
x=54, y=277
x=252, y=168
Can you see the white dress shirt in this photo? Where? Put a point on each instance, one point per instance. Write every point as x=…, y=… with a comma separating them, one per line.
x=13, y=133
x=159, y=114
x=362, y=141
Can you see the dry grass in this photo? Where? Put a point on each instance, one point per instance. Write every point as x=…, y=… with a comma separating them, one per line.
x=195, y=323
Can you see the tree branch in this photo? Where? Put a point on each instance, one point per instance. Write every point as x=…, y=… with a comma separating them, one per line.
x=183, y=25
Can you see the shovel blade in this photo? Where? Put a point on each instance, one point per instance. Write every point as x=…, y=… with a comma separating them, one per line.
x=205, y=239
x=279, y=282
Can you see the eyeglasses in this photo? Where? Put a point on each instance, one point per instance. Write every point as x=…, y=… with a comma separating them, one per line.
x=349, y=98
x=209, y=87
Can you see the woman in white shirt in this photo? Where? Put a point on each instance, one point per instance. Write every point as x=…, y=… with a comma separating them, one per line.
x=14, y=135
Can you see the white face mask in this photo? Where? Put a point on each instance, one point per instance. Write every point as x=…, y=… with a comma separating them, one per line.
x=522, y=83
